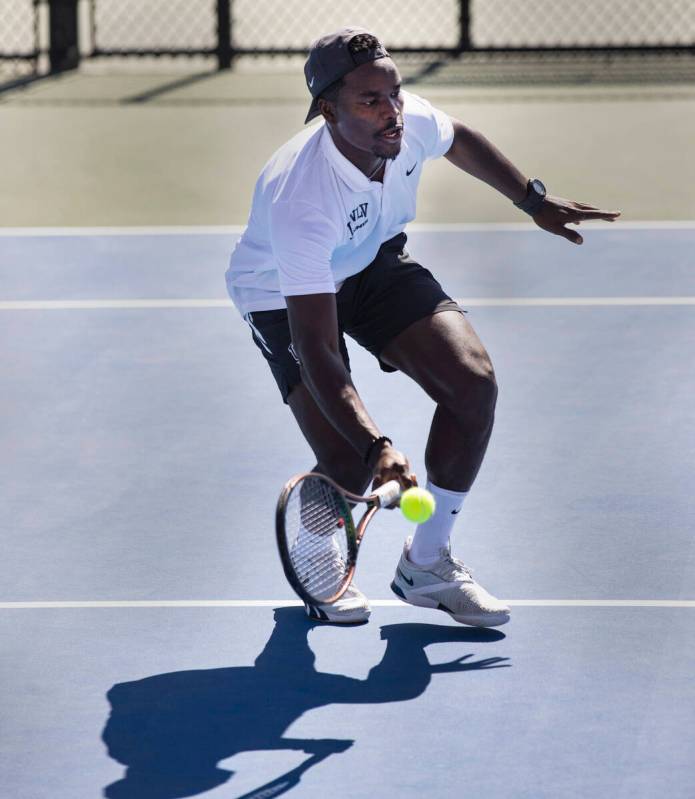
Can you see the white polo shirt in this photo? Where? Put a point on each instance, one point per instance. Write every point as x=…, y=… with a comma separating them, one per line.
x=317, y=220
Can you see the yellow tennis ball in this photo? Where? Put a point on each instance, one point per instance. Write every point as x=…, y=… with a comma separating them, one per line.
x=417, y=505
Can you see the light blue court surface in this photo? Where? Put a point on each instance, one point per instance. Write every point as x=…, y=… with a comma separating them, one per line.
x=144, y=445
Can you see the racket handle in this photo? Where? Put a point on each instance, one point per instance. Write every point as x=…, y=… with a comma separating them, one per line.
x=388, y=493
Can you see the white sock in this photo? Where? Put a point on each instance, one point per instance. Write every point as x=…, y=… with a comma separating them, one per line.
x=434, y=534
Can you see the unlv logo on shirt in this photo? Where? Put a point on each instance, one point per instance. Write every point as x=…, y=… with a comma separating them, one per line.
x=357, y=214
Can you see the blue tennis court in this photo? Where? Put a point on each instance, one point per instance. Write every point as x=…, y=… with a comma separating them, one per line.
x=152, y=647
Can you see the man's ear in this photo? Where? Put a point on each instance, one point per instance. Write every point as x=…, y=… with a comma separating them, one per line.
x=327, y=110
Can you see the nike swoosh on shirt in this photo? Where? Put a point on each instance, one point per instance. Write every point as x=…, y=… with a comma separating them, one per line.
x=409, y=171
x=311, y=82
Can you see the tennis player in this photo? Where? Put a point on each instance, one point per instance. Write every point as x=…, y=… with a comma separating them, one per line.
x=323, y=254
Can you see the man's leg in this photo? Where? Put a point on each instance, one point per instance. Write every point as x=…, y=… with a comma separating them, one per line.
x=337, y=459
x=335, y=456
x=443, y=354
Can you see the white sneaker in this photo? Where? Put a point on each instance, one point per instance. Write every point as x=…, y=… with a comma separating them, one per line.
x=351, y=608
x=448, y=585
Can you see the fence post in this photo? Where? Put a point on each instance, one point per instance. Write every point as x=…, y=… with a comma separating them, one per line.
x=63, y=49
x=464, y=26
x=224, y=34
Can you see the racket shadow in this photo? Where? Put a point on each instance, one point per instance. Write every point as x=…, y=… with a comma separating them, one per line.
x=171, y=730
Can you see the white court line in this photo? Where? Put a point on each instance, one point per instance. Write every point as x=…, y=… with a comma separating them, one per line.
x=379, y=603
x=218, y=230
x=466, y=302
x=576, y=301
x=60, y=305
x=144, y=230
x=511, y=227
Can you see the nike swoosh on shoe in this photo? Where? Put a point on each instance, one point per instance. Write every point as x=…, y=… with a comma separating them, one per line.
x=409, y=581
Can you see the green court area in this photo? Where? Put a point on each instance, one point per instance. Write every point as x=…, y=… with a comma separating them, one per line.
x=143, y=143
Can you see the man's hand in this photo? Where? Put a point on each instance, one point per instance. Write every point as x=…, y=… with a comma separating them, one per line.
x=473, y=153
x=555, y=213
x=392, y=465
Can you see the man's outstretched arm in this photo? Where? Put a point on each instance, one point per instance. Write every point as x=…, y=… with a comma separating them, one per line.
x=473, y=153
x=314, y=326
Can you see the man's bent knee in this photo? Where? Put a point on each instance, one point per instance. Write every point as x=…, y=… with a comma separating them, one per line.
x=472, y=395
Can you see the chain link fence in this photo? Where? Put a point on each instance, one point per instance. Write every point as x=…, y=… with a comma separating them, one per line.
x=567, y=24
x=164, y=27
x=263, y=27
x=455, y=30
x=19, y=38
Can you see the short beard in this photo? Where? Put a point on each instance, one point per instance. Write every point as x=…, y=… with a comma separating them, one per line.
x=386, y=156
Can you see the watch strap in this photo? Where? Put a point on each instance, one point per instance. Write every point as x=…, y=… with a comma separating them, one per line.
x=533, y=200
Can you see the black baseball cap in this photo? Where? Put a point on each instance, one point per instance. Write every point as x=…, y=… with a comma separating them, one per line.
x=330, y=59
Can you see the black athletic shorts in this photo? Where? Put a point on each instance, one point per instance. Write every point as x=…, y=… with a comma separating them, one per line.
x=374, y=306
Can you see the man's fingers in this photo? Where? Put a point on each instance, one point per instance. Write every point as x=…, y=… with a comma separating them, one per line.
x=572, y=235
x=566, y=233
x=587, y=207
x=597, y=213
x=557, y=213
x=592, y=212
x=407, y=481
x=403, y=476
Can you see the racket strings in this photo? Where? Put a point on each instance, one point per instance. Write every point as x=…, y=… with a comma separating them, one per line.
x=317, y=526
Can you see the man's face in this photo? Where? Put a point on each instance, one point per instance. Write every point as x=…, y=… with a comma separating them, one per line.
x=368, y=115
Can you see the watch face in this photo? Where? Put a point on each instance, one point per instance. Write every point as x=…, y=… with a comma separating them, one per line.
x=538, y=187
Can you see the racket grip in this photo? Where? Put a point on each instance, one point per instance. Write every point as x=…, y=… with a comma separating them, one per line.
x=388, y=493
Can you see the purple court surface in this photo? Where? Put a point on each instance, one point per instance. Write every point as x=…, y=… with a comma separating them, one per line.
x=151, y=646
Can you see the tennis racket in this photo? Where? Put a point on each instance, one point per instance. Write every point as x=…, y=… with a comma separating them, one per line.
x=316, y=534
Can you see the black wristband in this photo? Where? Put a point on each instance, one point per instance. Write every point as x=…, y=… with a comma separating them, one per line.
x=535, y=195
x=370, y=448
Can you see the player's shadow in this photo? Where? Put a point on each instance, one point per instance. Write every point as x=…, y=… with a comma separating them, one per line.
x=171, y=730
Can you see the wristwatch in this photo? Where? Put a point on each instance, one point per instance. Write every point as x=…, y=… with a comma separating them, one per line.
x=535, y=194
